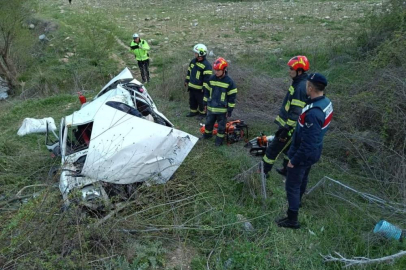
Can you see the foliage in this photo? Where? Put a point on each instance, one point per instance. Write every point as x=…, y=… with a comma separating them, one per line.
x=383, y=27
x=13, y=35
x=193, y=218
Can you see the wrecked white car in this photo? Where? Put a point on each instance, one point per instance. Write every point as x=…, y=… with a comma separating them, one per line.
x=116, y=141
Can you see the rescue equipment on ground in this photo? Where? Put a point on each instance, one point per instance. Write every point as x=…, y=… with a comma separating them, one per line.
x=236, y=131
x=259, y=144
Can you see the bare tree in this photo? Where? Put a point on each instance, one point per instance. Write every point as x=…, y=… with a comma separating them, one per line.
x=11, y=21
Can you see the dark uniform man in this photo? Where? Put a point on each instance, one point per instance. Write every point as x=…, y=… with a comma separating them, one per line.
x=219, y=95
x=198, y=73
x=289, y=112
x=139, y=47
x=307, y=144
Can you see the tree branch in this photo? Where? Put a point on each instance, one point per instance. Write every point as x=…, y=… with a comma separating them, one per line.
x=361, y=260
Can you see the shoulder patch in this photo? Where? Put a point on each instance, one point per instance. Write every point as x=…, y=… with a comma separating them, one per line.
x=308, y=125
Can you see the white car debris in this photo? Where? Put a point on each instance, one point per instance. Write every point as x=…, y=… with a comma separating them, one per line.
x=117, y=140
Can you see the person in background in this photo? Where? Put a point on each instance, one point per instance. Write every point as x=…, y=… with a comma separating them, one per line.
x=140, y=48
x=219, y=98
x=289, y=112
x=198, y=73
x=306, y=147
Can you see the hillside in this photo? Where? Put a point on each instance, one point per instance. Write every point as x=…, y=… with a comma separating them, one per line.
x=204, y=217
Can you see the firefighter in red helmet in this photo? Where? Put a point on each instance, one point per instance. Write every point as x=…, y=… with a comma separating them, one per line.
x=219, y=97
x=289, y=112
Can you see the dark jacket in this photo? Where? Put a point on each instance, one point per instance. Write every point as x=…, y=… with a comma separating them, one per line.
x=220, y=94
x=293, y=103
x=312, y=125
x=198, y=73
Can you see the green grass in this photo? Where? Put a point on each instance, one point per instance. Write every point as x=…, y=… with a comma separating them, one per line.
x=197, y=210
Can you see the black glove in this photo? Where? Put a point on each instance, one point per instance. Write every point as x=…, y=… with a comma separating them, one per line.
x=134, y=47
x=229, y=113
x=283, y=134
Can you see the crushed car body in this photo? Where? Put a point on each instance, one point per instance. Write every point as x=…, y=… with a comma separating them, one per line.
x=116, y=141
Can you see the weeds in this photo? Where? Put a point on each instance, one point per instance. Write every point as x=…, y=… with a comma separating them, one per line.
x=196, y=213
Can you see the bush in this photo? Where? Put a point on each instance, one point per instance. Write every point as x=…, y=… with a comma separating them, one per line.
x=371, y=110
x=383, y=27
x=13, y=39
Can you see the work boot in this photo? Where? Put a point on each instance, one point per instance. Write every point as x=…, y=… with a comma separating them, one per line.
x=191, y=114
x=290, y=221
x=219, y=141
x=284, y=170
x=205, y=136
x=280, y=220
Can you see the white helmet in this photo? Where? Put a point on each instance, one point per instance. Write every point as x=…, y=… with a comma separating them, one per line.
x=135, y=35
x=200, y=49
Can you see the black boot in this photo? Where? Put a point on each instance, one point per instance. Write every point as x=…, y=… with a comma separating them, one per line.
x=191, y=114
x=202, y=115
x=290, y=221
x=279, y=220
x=205, y=136
x=284, y=170
x=219, y=141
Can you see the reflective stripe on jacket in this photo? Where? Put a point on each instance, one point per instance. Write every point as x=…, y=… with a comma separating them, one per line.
x=198, y=73
x=312, y=125
x=141, y=53
x=220, y=94
x=293, y=103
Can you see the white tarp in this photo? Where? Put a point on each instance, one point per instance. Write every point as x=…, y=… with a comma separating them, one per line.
x=126, y=149
x=32, y=125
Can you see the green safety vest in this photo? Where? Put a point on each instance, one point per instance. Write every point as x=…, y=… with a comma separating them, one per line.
x=141, y=53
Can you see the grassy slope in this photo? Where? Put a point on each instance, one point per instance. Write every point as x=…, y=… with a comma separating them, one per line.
x=214, y=234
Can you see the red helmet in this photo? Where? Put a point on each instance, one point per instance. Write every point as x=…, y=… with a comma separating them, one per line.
x=299, y=62
x=220, y=64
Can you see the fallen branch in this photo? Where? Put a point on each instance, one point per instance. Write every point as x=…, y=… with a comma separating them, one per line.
x=361, y=260
x=397, y=207
x=8, y=209
x=15, y=199
x=103, y=259
x=24, y=188
x=113, y=213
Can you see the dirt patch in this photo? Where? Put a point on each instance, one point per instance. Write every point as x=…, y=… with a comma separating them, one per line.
x=181, y=257
x=121, y=62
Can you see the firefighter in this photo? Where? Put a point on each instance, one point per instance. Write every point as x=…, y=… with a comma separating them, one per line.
x=219, y=97
x=198, y=74
x=289, y=112
x=139, y=47
x=307, y=144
